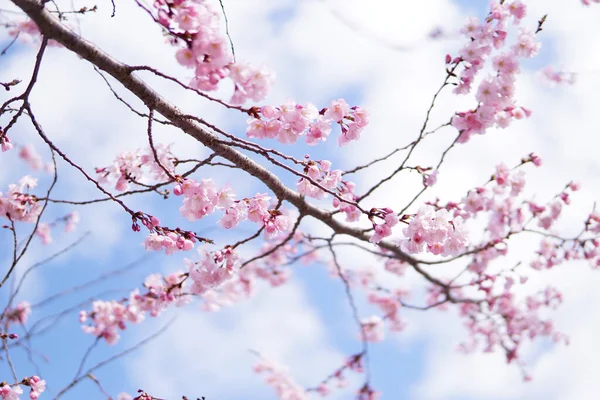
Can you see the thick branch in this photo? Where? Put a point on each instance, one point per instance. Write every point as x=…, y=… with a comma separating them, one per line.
x=54, y=29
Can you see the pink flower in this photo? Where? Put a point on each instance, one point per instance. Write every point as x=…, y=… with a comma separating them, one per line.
x=72, y=221
x=372, y=329
x=10, y=392
x=557, y=77
x=436, y=231
x=43, y=231
x=518, y=10
x=18, y=314
x=5, y=143
x=234, y=214
x=31, y=157
x=276, y=225
x=279, y=378
x=430, y=179
x=38, y=386
x=526, y=45
x=250, y=82
x=186, y=57
x=390, y=219
x=258, y=207
x=338, y=110
x=318, y=131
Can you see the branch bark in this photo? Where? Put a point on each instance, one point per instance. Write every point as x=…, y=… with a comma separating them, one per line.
x=52, y=28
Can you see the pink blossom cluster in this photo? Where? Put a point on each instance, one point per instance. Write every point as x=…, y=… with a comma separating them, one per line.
x=499, y=202
x=288, y=122
x=9, y=392
x=353, y=363
x=505, y=322
x=18, y=204
x=495, y=95
x=554, y=250
x=212, y=270
x=33, y=159
x=44, y=229
x=367, y=393
x=588, y=2
x=390, y=306
x=5, y=144
x=197, y=25
x=507, y=216
x=430, y=179
x=171, y=241
x=12, y=392
x=372, y=329
x=324, y=388
x=269, y=266
x=346, y=192
x=280, y=380
x=387, y=301
x=71, y=221
x=384, y=229
x=321, y=173
x=434, y=231
x=27, y=30
x=137, y=167
x=558, y=77
x=38, y=386
x=201, y=198
x=18, y=314
x=108, y=318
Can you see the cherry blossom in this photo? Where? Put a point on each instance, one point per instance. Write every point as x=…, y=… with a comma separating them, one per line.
x=279, y=379
x=290, y=121
x=557, y=77
x=372, y=329
x=18, y=204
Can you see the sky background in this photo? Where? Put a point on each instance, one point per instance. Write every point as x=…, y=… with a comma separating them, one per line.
x=375, y=54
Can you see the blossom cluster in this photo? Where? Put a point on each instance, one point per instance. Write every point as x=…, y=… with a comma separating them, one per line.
x=18, y=314
x=495, y=95
x=197, y=25
x=372, y=329
x=505, y=322
x=382, y=230
x=5, y=144
x=28, y=154
x=269, y=266
x=107, y=318
x=137, y=167
x=167, y=239
x=279, y=379
x=558, y=77
x=321, y=173
x=44, y=229
x=202, y=198
x=434, y=231
x=346, y=192
x=19, y=205
x=288, y=122
x=12, y=392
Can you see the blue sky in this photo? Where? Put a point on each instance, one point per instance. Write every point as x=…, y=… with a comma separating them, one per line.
x=316, y=59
